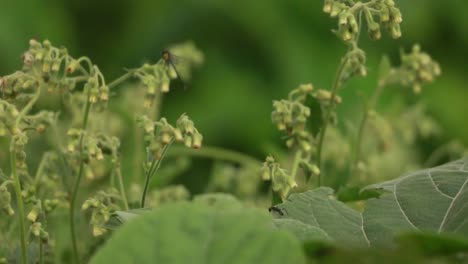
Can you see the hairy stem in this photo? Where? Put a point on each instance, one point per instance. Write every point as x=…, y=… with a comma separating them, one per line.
x=121, y=79
x=157, y=105
x=15, y=176
x=151, y=172
x=362, y=125
x=78, y=180
x=41, y=252
x=296, y=161
x=328, y=111
x=19, y=200
x=122, y=188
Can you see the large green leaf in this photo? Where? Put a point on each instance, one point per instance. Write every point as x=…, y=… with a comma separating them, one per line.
x=433, y=200
x=198, y=232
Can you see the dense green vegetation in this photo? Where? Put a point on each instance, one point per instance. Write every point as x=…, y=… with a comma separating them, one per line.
x=184, y=158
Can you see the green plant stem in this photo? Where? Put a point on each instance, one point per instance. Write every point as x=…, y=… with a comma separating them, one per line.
x=78, y=180
x=151, y=172
x=41, y=252
x=29, y=106
x=216, y=153
x=19, y=200
x=15, y=175
x=122, y=188
x=362, y=125
x=157, y=104
x=39, y=170
x=138, y=156
x=296, y=161
x=327, y=115
x=121, y=79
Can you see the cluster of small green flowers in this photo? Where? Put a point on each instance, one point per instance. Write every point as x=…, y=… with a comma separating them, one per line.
x=94, y=146
x=101, y=206
x=40, y=121
x=160, y=134
x=8, y=115
x=34, y=216
x=39, y=209
x=187, y=56
x=168, y=194
x=417, y=68
x=42, y=63
x=96, y=88
x=282, y=181
x=354, y=64
x=156, y=77
x=18, y=130
x=47, y=66
x=17, y=86
x=291, y=116
x=5, y=199
x=349, y=13
x=238, y=180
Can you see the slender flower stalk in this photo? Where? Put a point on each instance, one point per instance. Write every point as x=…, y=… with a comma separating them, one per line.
x=78, y=180
x=19, y=199
x=327, y=115
x=15, y=176
x=151, y=172
x=122, y=188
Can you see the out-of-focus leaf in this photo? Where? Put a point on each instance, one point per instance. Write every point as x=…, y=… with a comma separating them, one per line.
x=434, y=244
x=197, y=233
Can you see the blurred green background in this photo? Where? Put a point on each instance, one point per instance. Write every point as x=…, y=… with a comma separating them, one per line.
x=255, y=51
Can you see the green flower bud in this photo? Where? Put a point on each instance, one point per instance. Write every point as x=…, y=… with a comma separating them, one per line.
x=384, y=14
x=56, y=65
x=197, y=140
x=36, y=229
x=327, y=6
x=44, y=236
x=72, y=66
x=337, y=7
x=5, y=200
x=395, y=31
x=34, y=213
x=188, y=141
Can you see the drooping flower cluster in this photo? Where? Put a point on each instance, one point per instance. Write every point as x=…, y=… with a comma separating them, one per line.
x=378, y=13
x=417, y=68
x=46, y=66
x=291, y=116
x=101, y=207
x=178, y=64
x=282, y=181
x=160, y=134
x=168, y=194
x=354, y=64
x=5, y=199
x=94, y=149
x=8, y=114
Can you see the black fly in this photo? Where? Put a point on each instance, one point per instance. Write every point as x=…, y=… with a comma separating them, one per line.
x=276, y=209
x=171, y=60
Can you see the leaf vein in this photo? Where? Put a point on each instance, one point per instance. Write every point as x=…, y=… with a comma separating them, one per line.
x=436, y=187
x=401, y=209
x=364, y=231
x=451, y=205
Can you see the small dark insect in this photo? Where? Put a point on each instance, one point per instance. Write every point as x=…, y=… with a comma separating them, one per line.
x=171, y=60
x=276, y=209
